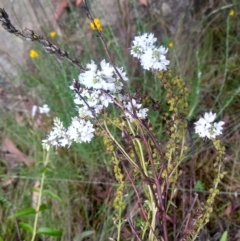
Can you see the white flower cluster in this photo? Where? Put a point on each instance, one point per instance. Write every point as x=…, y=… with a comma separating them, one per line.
x=98, y=89
x=151, y=57
x=105, y=79
x=206, y=127
x=79, y=131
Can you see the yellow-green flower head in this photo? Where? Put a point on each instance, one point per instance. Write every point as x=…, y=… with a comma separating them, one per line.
x=170, y=45
x=53, y=34
x=33, y=53
x=231, y=13
x=97, y=24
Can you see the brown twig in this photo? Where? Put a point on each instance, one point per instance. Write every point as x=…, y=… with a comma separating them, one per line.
x=133, y=229
x=187, y=216
x=29, y=35
x=139, y=200
x=159, y=203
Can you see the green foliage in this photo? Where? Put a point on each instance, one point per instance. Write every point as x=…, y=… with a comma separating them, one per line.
x=26, y=227
x=49, y=232
x=224, y=236
x=69, y=192
x=52, y=195
x=23, y=212
x=199, y=186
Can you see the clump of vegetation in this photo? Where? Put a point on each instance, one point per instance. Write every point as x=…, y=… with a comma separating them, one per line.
x=141, y=148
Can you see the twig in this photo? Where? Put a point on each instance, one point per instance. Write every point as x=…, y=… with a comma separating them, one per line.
x=29, y=35
x=133, y=229
x=187, y=216
x=139, y=200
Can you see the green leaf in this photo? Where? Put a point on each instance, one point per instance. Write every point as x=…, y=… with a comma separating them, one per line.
x=224, y=236
x=1, y=239
x=35, y=189
x=26, y=226
x=43, y=207
x=172, y=203
x=199, y=186
x=23, y=212
x=84, y=235
x=53, y=195
x=49, y=232
x=45, y=169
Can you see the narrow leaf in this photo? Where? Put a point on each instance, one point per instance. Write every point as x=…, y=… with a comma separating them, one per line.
x=224, y=236
x=35, y=189
x=26, y=226
x=172, y=204
x=53, y=195
x=43, y=207
x=49, y=232
x=86, y=234
x=45, y=169
x=23, y=212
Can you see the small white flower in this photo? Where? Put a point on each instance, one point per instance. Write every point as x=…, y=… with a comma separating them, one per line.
x=44, y=109
x=209, y=117
x=45, y=145
x=34, y=110
x=90, y=99
x=65, y=142
x=80, y=130
x=141, y=113
x=105, y=99
x=58, y=126
x=131, y=104
x=154, y=59
x=206, y=127
x=218, y=127
x=141, y=43
x=122, y=73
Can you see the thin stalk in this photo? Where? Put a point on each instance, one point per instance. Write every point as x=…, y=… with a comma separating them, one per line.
x=39, y=201
x=119, y=224
x=198, y=87
x=120, y=147
x=151, y=199
x=226, y=61
x=229, y=101
x=158, y=200
x=139, y=148
x=139, y=199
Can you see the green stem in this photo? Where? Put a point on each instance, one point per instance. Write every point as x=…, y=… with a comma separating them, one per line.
x=226, y=61
x=120, y=147
x=236, y=92
x=139, y=148
x=39, y=201
x=150, y=194
x=198, y=87
x=119, y=224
